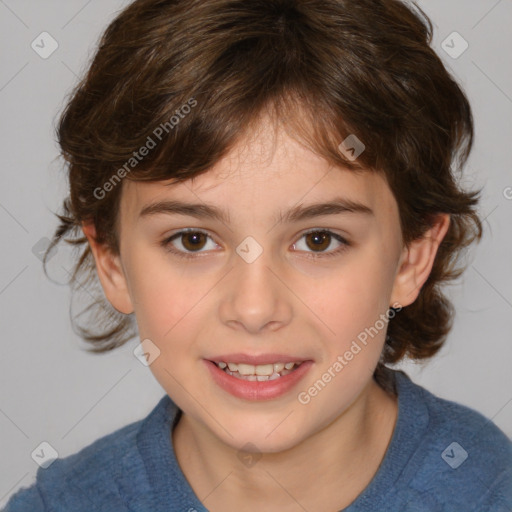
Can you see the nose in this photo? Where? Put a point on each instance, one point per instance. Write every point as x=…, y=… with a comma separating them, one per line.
x=255, y=297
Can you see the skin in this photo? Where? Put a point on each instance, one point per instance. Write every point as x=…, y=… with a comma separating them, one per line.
x=286, y=302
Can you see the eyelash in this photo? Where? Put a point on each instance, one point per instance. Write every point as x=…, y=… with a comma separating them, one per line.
x=166, y=244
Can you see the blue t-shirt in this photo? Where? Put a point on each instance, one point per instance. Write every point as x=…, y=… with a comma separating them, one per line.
x=442, y=457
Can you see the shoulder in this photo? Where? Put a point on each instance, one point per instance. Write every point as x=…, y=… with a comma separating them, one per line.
x=463, y=455
x=83, y=479
x=488, y=444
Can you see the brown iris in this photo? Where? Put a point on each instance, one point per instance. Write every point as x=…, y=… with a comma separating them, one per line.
x=193, y=241
x=321, y=239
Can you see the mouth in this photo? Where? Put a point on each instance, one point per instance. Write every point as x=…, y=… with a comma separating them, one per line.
x=263, y=380
x=260, y=372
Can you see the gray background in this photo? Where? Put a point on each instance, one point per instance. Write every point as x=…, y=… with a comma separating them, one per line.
x=51, y=390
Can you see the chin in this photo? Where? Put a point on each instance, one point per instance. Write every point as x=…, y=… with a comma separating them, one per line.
x=260, y=438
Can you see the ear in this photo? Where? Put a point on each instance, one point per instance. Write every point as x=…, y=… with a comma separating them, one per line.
x=416, y=262
x=110, y=272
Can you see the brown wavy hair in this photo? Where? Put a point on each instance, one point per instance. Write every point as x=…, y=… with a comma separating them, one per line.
x=326, y=68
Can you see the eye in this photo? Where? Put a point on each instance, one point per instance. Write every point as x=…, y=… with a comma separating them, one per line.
x=191, y=241
x=321, y=239
x=188, y=242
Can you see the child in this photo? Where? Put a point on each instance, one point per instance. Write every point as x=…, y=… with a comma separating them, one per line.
x=268, y=188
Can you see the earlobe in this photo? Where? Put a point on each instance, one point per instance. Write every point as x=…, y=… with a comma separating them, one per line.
x=110, y=272
x=416, y=262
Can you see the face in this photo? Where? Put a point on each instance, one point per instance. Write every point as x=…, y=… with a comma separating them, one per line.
x=264, y=284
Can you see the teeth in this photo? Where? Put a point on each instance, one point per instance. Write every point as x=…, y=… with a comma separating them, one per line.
x=245, y=369
x=264, y=369
x=261, y=372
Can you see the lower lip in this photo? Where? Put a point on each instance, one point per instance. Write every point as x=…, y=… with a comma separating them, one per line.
x=258, y=390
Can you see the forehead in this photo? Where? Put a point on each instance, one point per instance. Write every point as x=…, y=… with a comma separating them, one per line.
x=267, y=171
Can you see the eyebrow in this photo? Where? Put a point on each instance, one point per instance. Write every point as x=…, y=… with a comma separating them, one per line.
x=295, y=214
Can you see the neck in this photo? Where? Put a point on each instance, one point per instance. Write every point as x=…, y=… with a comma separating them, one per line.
x=348, y=450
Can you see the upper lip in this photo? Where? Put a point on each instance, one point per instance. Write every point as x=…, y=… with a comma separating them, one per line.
x=258, y=359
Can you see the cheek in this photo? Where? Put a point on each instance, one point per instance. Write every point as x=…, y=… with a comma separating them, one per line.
x=356, y=292
x=168, y=311
x=162, y=293
x=353, y=303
